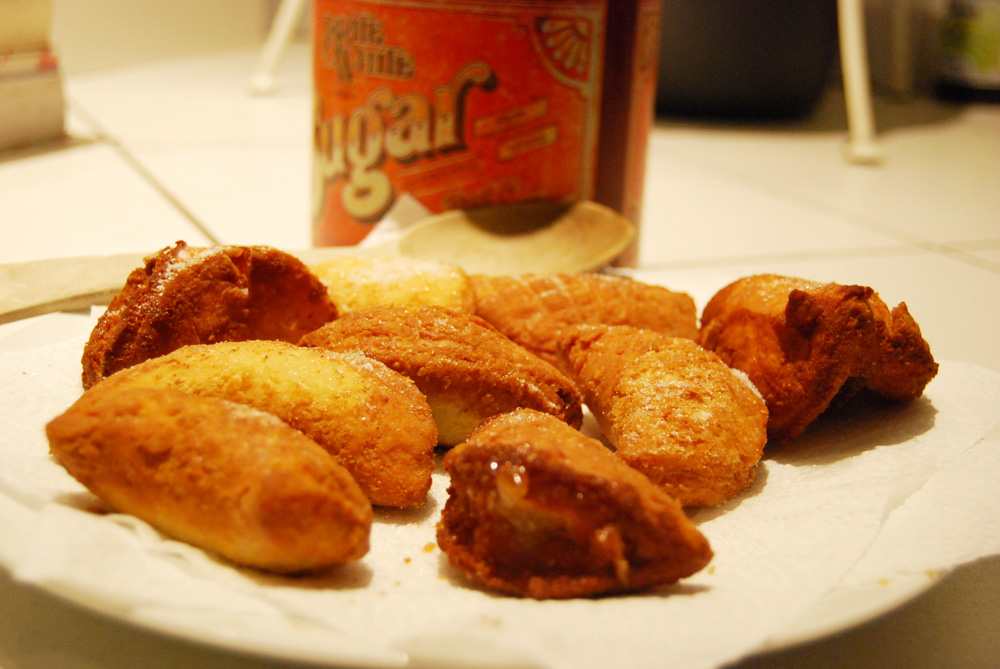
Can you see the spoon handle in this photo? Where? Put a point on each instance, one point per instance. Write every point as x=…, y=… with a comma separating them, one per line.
x=67, y=284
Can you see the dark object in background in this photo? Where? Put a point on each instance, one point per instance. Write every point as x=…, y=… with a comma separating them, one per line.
x=745, y=58
x=970, y=52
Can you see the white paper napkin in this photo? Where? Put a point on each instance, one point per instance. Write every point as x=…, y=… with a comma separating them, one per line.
x=856, y=500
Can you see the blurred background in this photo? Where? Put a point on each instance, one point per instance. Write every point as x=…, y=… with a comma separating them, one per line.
x=96, y=34
x=903, y=35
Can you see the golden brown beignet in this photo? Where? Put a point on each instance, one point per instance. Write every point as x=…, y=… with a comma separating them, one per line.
x=531, y=309
x=222, y=476
x=467, y=369
x=200, y=295
x=358, y=283
x=673, y=410
x=373, y=420
x=536, y=508
x=806, y=344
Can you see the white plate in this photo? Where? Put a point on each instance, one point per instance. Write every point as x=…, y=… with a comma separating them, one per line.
x=782, y=550
x=848, y=606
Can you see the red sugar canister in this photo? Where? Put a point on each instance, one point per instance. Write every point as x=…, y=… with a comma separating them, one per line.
x=467, y=103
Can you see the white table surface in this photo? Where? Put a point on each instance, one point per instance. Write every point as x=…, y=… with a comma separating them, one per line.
x=176, y=150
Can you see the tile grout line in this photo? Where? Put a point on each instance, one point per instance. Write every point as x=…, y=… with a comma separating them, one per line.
x=940, y=248
x=804, y=256
x=970, y=259
x=103, y=136
x=808, y=256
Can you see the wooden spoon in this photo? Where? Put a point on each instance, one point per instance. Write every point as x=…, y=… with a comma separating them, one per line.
x=537, y=237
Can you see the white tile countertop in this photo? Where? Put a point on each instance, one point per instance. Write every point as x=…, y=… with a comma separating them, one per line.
x=178, y=150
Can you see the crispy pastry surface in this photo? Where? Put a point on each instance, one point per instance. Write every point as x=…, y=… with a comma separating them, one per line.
x=536, y=508
x=372, y=419
x=809, y=345
x=531, y=309
x=358, y=283
x=467, y=369
x=673, y=410
x=222, y=476
x=193, y=295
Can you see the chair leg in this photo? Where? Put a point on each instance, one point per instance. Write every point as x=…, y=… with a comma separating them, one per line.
x=862, y=146
x=278, y=37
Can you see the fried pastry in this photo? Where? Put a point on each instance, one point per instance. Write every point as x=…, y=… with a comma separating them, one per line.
x=221, y=476
x=372, y=419
x=672, y=410
x=193, y=295
x=467, y=369
x=531, y=309
x=536, y=508
x=358, y=283
x=808, y=345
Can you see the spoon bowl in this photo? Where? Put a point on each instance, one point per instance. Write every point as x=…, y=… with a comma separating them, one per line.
x=532, y=237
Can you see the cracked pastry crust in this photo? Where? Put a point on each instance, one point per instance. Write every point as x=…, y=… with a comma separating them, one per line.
x=671, y=409
x=200, y=295
x=531, y=309
x=536, y=508
x=221, y=476
x=808, y=346
x=468, y=371
x=358, y=283
x=372, y=420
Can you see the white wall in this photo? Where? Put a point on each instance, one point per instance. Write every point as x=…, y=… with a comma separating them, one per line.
x=95, y=34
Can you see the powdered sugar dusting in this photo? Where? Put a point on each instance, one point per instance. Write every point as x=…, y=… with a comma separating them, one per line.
x=185, y=258
x=742, y=376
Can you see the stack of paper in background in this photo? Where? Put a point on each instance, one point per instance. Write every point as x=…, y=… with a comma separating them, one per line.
x=32, y=109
